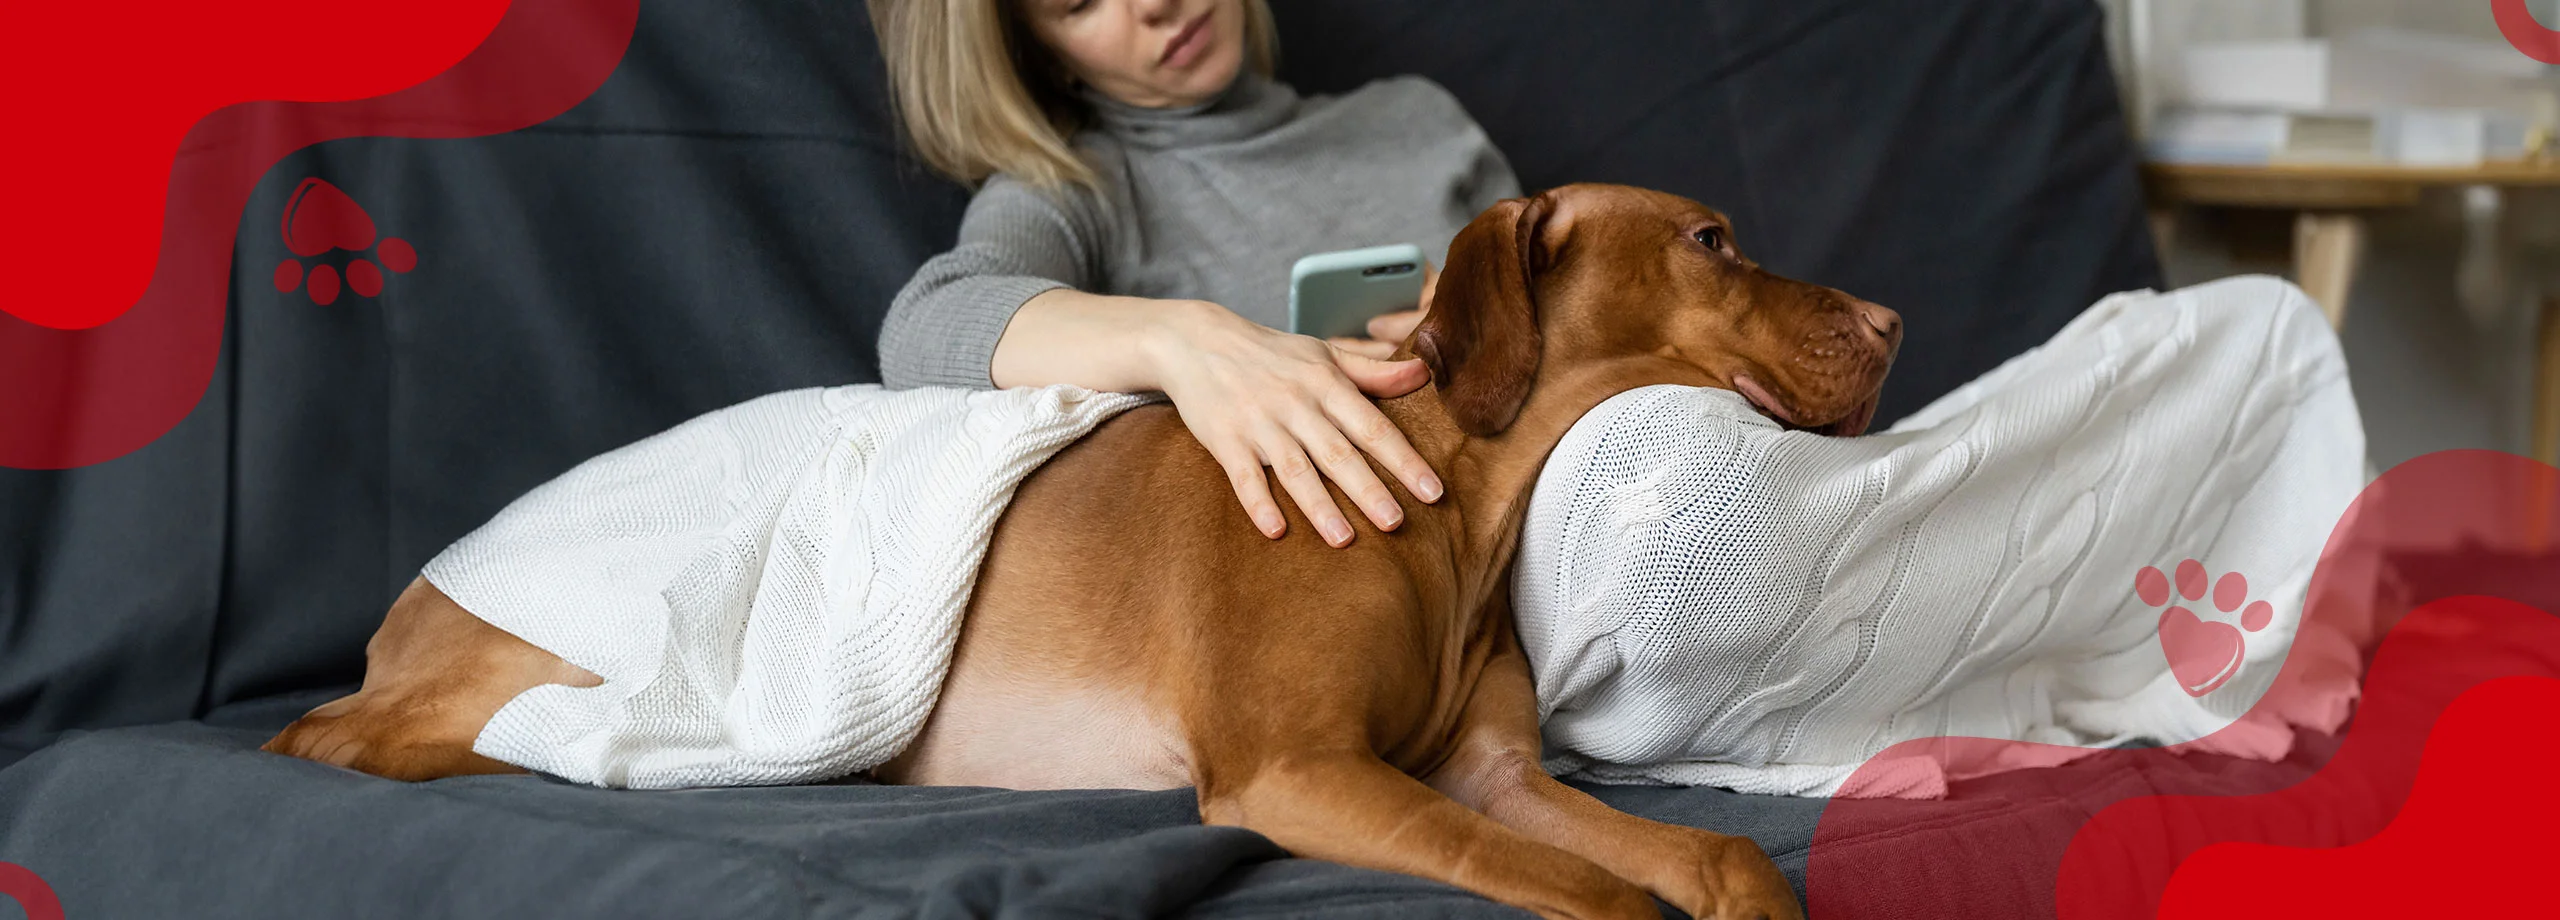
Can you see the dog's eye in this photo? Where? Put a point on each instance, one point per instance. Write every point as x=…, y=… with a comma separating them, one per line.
x=1711, y=237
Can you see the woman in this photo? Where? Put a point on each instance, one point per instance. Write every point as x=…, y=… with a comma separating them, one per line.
x=771, y=592
x=1143, y=188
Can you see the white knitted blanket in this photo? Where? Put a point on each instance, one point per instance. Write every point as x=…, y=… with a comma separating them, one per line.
x=1708, y=599
x=771, y=591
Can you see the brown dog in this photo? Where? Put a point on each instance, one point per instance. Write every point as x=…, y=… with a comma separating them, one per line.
x=1368, y=705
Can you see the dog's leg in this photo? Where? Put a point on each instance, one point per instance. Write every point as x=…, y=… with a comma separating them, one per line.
x=1494, y=769
x=434, y=675
x=1350, y=807
x=356, y=732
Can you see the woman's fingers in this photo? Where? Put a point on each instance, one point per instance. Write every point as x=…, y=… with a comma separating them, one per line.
x=1365, y=348
x=1360, y=420
x=1382, y=379
x=1258, y=399
x=1392, y=328
x=1348, y=468
x=1297, y=475
x=1244, y=474
x=1395, y=327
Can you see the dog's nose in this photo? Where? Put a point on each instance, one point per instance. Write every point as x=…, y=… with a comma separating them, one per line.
x=1885, y=322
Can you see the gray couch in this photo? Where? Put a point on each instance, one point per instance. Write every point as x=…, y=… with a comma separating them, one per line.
x=728, y=217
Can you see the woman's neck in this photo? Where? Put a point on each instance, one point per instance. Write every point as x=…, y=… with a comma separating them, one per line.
x=1251, y=105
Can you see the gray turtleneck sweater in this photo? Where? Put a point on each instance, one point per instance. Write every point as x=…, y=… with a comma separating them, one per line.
x=1212, y=202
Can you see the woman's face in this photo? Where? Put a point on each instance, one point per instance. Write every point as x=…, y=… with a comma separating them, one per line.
x=1153, y=53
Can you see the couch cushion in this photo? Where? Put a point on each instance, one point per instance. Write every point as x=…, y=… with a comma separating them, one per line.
x=109, y=576
x=1963, y=161
x=222, y=829
x=729, y=215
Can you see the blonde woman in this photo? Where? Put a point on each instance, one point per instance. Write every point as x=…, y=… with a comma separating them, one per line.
x=1143, y=186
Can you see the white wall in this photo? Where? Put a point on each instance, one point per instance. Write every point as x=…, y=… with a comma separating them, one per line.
x=2174, y=22
x=2147, y=50
x=2460, y=17
x=2428, y=377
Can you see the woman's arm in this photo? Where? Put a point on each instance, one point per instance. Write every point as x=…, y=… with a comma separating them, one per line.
x=1009, y=307
x=1015, y=243
x=1095, y=341
x=1256, y=397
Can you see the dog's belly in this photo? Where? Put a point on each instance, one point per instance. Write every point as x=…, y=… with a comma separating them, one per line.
x=993, y=727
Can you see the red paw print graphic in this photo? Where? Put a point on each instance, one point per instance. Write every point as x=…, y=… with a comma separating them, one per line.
x=320, y=218
x=34, y=898
x=2201, y=654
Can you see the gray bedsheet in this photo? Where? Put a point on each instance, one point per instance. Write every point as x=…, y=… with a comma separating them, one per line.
x=189, y=819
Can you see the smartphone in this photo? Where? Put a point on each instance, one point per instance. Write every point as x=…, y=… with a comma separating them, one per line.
x=1336, y=293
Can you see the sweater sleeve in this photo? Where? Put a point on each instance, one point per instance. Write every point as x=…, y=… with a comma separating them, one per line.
x=1016, y=242
x=1491, y=180
x=1487, y=178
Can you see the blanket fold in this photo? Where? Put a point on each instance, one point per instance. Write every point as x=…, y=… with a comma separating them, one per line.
x=771, y=591
x=1708, y=599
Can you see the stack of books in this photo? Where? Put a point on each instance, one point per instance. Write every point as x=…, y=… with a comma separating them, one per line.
x=2382, y=97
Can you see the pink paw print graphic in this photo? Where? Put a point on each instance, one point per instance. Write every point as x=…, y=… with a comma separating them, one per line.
x=2201, y=654
x=320, y=218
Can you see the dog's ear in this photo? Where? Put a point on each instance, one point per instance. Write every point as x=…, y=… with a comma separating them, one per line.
x=1481, y=337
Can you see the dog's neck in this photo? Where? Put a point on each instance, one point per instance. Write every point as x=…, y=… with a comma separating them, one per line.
x=1489, y=478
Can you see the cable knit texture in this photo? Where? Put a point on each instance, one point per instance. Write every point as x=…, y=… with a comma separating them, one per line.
x=1211, y=202
x=771, y=591
x=1707, y=599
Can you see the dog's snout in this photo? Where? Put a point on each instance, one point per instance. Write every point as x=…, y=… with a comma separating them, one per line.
x=1886, y=323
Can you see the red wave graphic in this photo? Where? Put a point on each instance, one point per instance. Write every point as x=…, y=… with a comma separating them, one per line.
x=116, y=87
x=2102, y=836
x=2516, y=22
x=2465, y=795
x=2121, y=862
x=81, y=396
x=33, y=897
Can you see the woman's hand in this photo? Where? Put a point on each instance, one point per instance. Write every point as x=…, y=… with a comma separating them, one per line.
x=1254, y=396
x=1387, y=331
x=1258, y=397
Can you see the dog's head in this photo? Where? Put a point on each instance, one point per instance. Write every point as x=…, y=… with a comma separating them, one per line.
x=1625, y=287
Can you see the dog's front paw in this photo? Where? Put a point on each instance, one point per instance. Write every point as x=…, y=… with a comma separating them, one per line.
x=1741, y=883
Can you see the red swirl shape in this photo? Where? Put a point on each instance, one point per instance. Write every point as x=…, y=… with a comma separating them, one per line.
x=21, y=884
x=2516, y=22
x=2436, y=584
x=115, y=88
x=2435, y=838
x=101, y=353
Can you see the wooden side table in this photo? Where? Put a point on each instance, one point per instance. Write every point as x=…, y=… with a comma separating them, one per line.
x=2331, y=205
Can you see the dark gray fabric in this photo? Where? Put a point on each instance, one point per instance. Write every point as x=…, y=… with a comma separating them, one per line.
x=1964, y=162
x=219, y=830
x=108, y=576
x=729, y=216
x=686, y=239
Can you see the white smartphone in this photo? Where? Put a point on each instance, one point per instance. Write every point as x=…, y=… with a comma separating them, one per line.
x=1336, y=293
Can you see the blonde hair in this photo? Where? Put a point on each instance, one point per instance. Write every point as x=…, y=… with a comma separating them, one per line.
x=978, y=95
